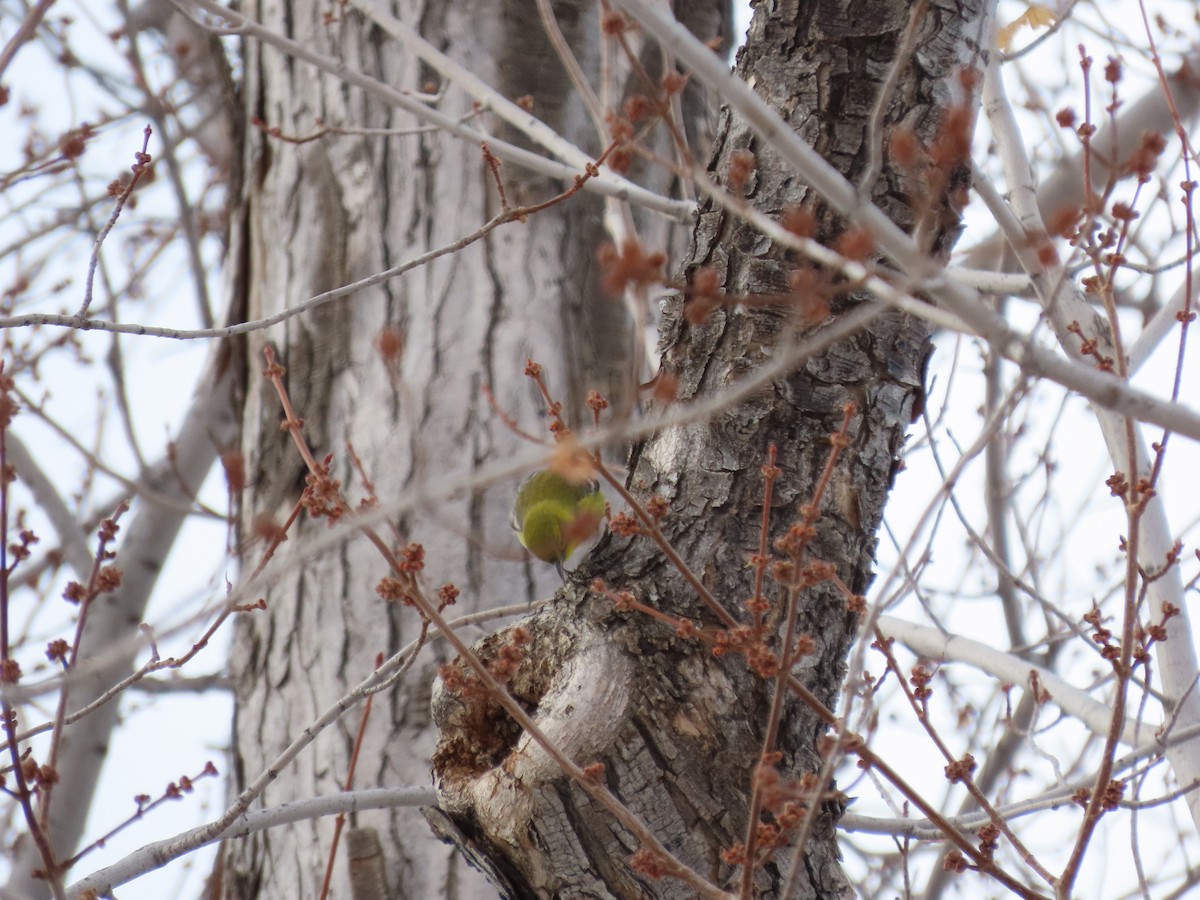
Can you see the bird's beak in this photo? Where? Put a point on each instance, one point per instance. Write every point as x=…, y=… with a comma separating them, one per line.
x=562, y=573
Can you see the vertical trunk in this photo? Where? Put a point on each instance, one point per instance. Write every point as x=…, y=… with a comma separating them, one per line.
x=317, y=216
x=678, y=730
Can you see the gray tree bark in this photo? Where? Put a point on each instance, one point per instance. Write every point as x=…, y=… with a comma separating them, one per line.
x=678, y=731
x=319, y=215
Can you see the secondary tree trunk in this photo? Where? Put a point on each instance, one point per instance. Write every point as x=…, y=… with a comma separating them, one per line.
x=316, y=216
x=679, y=731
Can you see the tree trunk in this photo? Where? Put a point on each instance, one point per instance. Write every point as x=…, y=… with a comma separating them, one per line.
x=318, y=215
x=680, y=731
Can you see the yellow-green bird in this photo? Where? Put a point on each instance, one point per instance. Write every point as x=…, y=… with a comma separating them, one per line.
x=553, y=515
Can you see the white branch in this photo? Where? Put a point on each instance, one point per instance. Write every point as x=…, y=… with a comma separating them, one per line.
x=155, y=856
x=941, y=647
x=1100, y=387
x=209, y=422
x=1164, y=322
x=228, y=824
x=607, y=182
x=487, y=96
x=1149, y=114
x=185, y=334
x=1006, y=284
x=1064, y=306
x=1056, y=797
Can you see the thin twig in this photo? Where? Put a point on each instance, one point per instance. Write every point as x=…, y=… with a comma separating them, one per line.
x=140, y=166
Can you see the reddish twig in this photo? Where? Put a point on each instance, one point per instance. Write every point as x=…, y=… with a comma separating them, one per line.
x=323, y=498
x=957, y=770
x=795, y=546
x=174, y=791
x=340, y=822
x=139, y=167
x=103, y=579
x=10, y=671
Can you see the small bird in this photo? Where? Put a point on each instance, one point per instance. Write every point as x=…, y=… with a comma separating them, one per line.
x=553, y=515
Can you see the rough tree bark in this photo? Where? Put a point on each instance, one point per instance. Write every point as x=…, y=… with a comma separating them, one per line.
x=319, y=215
x=678, y=731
